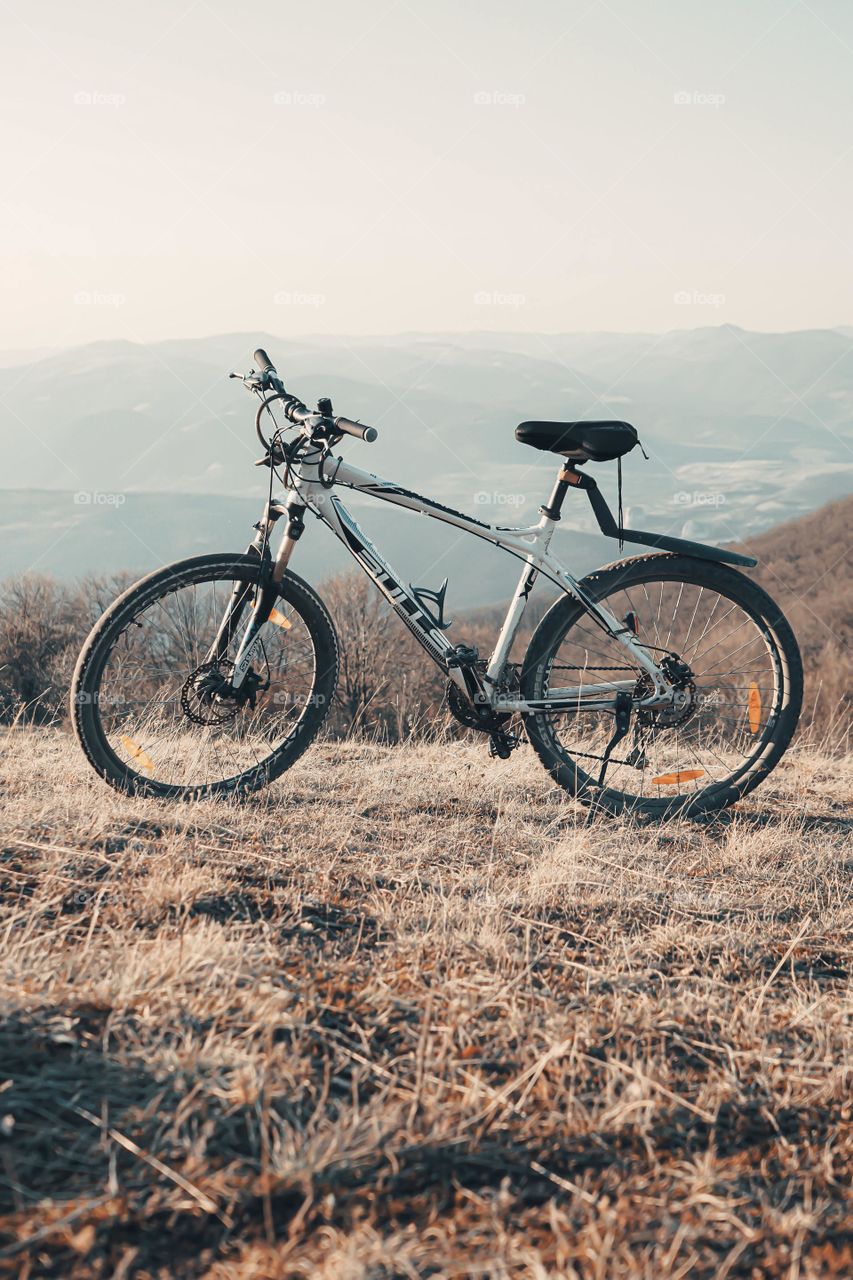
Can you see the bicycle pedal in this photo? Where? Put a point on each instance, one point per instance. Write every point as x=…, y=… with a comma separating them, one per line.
x=501, y=745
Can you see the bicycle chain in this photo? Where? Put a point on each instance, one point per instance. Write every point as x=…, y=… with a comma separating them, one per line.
x=569, y=666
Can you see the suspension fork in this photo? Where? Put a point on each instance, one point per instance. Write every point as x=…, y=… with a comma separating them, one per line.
x=267, y=589
x=242, y=591
x=267, y=593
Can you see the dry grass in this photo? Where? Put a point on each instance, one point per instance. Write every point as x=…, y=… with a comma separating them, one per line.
x=404, y=1014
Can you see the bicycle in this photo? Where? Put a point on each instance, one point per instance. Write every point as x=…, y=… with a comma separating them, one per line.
x=213, y=675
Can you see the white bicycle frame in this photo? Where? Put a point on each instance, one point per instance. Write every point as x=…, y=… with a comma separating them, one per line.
x=313, y=479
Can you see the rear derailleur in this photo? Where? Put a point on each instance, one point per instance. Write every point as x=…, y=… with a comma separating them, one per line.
x=649, y=721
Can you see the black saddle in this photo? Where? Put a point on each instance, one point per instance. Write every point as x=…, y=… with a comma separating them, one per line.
x=580, y=441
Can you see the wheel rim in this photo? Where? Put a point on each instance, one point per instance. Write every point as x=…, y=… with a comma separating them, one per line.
x=733, y=693
x=158, y=719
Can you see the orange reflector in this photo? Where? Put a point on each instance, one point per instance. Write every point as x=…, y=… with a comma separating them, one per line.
x=136, y=753
x=754, y=708
x=277, y=618
x=681, y=775
x=280, y=620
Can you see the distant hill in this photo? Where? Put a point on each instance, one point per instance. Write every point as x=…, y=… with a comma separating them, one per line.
x=742, y=428
x=52, y=532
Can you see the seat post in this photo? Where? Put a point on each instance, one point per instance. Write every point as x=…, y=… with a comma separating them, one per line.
x=567, y=476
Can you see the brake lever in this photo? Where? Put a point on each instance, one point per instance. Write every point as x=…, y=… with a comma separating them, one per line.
x=260, y=381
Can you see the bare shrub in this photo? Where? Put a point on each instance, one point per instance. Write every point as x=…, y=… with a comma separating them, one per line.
x=390, y=691
x=388, y=688
x=41, y=629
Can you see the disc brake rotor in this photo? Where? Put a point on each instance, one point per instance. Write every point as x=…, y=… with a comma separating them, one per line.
x=203, y=694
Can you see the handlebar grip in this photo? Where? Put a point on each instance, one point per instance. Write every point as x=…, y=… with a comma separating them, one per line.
x=263, y=361
x=357, y=429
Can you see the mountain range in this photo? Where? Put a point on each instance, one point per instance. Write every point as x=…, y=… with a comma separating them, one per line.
x=123, y=455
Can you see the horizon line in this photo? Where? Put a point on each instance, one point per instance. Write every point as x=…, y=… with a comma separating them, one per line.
x=38, y=352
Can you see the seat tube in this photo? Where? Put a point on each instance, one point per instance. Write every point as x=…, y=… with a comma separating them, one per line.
x=515, y=613
x=550, y=515
x=554, y=506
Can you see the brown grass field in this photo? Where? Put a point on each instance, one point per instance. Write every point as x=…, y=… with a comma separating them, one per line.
x=406, y=1014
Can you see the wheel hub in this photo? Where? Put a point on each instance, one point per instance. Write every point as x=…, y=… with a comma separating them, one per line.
x=684, y=701
x=207, y=696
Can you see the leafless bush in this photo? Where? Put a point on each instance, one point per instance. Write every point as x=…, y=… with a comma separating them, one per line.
x=389, y=690
x=41, y=628
x=43, y=624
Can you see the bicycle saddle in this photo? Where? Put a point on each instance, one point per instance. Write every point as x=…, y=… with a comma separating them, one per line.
x=583, y=441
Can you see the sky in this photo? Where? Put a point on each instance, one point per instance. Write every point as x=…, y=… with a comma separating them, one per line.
x=192, y=167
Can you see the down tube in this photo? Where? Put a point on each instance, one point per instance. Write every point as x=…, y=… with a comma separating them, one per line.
x=421, y=625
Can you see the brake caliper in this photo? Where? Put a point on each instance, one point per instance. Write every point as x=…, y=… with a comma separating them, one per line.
x=208, y=696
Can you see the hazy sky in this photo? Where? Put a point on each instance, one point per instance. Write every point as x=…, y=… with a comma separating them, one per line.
x=176, y=169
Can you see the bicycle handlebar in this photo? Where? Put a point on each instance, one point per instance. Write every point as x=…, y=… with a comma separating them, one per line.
x=299, y=413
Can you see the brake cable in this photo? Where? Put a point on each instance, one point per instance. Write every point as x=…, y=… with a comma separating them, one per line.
x=328, y=483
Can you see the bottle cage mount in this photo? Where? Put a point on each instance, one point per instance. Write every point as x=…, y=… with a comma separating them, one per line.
x=425, y=594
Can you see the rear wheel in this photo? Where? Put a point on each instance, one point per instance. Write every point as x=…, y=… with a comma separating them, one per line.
x=155, y=717
x=737, y=666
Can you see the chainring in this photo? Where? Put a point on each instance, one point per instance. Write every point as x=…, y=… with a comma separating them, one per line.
x=464, y=711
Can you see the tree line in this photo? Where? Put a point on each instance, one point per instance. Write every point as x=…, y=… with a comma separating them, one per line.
x=387, y=689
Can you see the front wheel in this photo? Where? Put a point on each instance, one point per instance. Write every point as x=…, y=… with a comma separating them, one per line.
x=152, y=710
x=737, y=668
